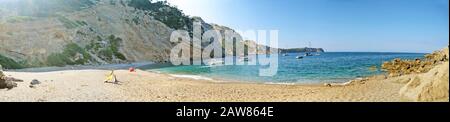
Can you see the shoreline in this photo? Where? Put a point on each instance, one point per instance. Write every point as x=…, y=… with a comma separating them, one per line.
x=83, y=67
x=125, y=66
x=225, y=81
x=319, y=83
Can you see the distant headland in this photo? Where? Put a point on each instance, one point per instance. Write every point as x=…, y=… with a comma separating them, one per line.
x=299, y=50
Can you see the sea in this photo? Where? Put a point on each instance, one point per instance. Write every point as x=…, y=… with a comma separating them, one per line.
x=329, y=67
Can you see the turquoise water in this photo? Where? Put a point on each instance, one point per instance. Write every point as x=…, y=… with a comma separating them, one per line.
x=327, y=67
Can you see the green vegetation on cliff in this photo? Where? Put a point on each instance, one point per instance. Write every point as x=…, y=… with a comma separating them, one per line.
x=9, y=63
x=114, y=47
x=72, y=55
x=108, y=49
x=167, y=14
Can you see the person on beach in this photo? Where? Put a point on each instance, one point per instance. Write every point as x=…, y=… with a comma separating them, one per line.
x=110, y=77
x=132, y=69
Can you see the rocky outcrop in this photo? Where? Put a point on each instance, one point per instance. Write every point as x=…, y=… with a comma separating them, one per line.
x=438, y=56
x=399, y=67
x=5, y=83
x=426, y=80
x=430, y=86
x=252, y=46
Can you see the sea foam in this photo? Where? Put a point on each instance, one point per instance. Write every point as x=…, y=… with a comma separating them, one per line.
x=195, y=77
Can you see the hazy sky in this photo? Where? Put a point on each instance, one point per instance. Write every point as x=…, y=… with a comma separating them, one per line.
x=336, y=25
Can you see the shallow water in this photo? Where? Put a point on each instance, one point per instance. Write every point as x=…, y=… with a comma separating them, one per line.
x=327, y=67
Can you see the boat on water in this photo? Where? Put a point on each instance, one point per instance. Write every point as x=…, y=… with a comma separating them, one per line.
x=285, y=54
x=308, y=54
x=215, y=62
x=309, y=51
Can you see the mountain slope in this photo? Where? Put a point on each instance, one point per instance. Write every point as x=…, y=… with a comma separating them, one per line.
x=73, y=32
x=107, y=32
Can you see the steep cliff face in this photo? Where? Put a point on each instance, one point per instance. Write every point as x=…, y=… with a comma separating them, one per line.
x=90, y=32
x=108, y=33
x=250, y=46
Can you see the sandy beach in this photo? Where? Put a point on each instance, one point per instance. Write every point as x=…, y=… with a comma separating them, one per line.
x=142, y=86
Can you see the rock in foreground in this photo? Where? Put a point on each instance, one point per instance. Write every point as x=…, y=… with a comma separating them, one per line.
x=5, y=83
x=430, y=86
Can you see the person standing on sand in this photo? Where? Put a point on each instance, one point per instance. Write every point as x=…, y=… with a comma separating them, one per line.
x=110, y=77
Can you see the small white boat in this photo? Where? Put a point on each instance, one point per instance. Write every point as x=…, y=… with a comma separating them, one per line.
x=299, y=57
x=214, y=62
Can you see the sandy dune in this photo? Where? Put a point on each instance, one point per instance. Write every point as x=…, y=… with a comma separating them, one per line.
x=87, y=85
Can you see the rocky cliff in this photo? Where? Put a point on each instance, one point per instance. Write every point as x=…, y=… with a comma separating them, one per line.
x=300, y=50
x=100, y=34
x=76, y=32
